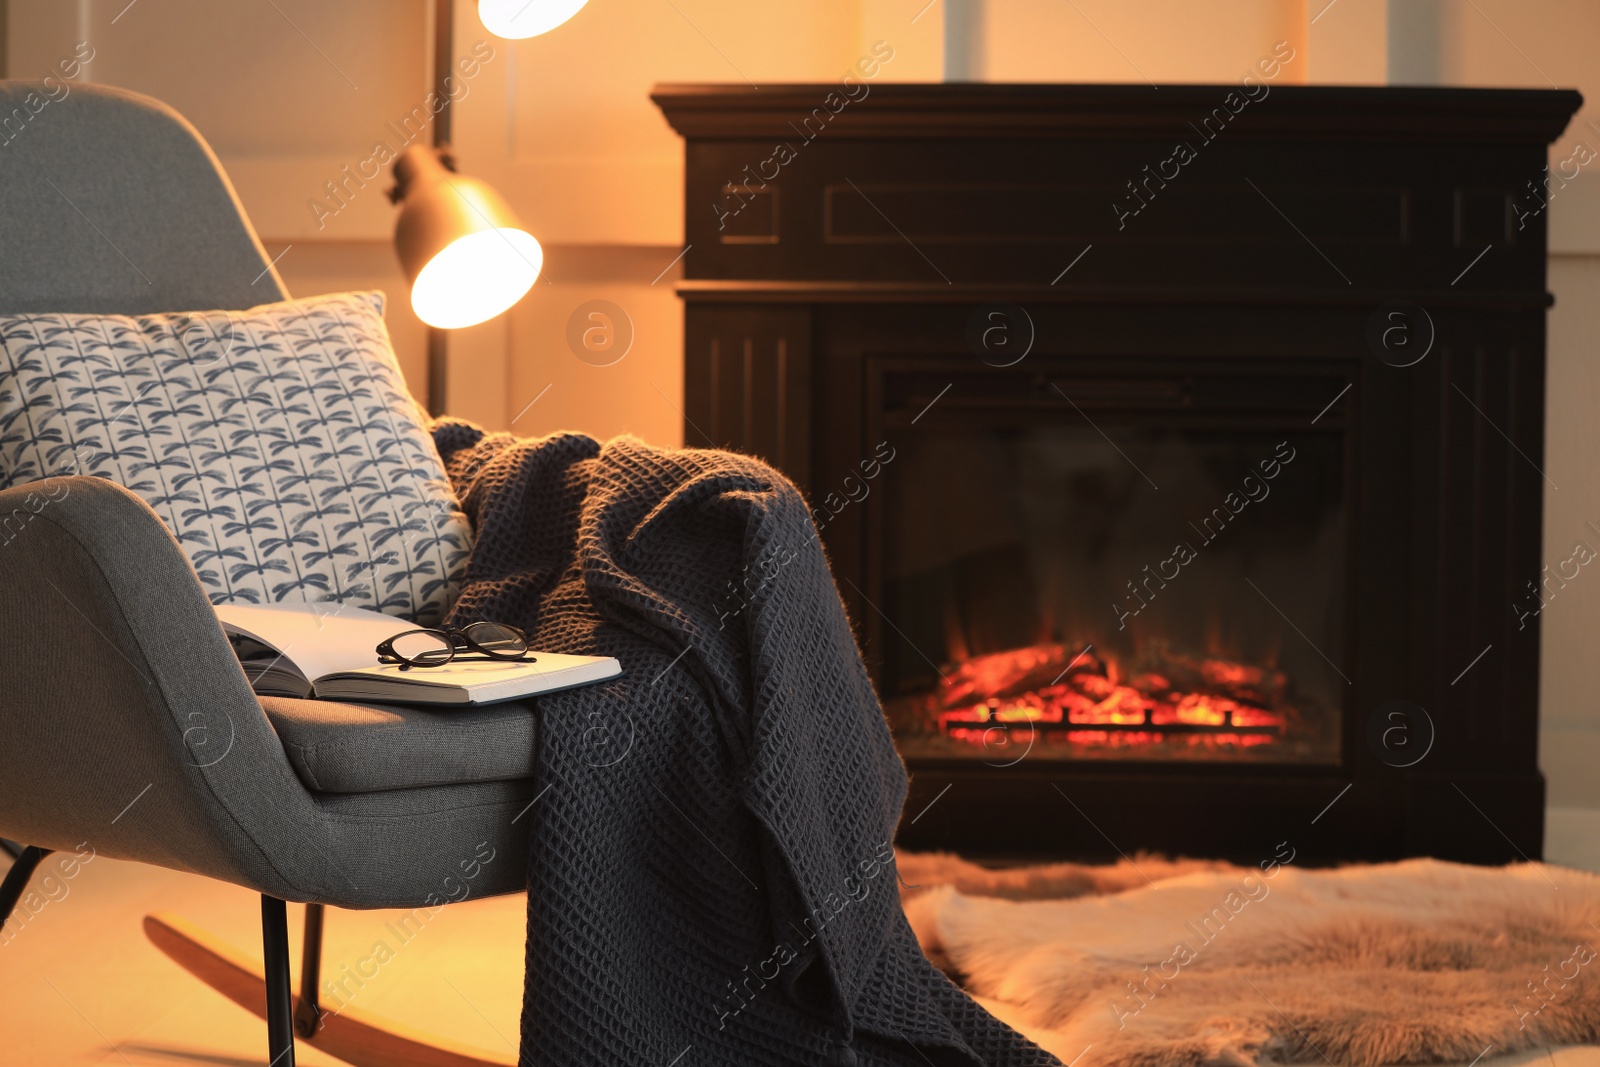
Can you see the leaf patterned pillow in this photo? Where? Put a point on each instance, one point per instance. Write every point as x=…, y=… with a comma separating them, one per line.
x=279, y=444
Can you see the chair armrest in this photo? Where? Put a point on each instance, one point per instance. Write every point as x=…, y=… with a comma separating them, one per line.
x=126, y=724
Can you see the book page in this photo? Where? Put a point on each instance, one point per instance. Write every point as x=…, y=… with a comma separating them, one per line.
x=319, y=639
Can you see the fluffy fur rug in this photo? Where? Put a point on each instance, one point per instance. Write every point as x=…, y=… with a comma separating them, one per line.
x=1153, y=963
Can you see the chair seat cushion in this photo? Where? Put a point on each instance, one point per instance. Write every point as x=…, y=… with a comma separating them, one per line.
x=372, y=748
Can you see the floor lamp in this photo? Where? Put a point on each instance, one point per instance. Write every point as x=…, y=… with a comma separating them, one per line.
x=467, y=256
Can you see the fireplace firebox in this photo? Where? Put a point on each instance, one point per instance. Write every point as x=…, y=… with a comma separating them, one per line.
x=1170, y=591
x=1194, y=529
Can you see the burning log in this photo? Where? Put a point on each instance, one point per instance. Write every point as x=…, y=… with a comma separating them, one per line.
x=1056, y=688
x=1009, y=674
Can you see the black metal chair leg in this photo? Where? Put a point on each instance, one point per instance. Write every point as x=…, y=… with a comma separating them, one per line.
x=280, y=1003
x=16, y=881
x=308, y=1012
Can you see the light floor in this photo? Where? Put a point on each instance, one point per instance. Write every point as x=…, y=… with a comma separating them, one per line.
x=80, y=985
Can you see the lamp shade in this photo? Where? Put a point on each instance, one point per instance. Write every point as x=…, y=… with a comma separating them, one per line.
x=460, y=245
x=517, y=19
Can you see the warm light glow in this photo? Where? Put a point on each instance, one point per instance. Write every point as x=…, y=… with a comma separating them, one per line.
x=476, y=277
x=517, y=19
x=1053, y=690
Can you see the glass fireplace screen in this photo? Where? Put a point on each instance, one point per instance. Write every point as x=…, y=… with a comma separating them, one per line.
x=1152, y=592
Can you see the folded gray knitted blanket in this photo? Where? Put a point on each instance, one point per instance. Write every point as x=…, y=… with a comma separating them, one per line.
x=712, y=879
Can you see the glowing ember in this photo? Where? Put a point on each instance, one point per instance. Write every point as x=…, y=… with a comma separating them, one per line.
x=1207, y=701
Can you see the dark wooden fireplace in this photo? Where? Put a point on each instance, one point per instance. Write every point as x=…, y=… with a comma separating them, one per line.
x=1178, y=451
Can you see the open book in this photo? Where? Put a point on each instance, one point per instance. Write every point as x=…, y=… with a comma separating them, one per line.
x=329, y=651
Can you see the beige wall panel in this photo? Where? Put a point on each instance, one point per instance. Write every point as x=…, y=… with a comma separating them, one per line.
x=286, y=93
x=1349, y=42
x=1152, y=40
x=292, y=78
x=1570, y=634
x=564, y=126
x=642, y=392
x=915, y=29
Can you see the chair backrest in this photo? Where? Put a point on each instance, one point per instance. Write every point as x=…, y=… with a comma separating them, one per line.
x=111, y=202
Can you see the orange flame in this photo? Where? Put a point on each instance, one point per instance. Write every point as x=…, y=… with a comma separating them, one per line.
x=1047, y=685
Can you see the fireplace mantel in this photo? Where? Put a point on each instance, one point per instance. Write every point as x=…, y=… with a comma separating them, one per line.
x=829, y=292
x=980, y=185
x=1121, y=112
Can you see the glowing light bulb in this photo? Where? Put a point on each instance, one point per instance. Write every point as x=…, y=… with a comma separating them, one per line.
x=517, y=19
x=476, y=277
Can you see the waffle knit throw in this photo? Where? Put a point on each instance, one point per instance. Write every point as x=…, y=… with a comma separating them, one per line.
x=712, y=879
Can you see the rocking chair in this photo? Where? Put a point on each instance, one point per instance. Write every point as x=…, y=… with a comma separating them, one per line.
x=162, y=725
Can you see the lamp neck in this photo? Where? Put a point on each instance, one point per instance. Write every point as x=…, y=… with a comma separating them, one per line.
x=417, y=166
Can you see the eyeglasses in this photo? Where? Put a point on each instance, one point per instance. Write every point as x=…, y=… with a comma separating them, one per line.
x=435, y=648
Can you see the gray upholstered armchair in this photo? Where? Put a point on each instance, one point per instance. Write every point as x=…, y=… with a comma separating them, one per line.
x=126, y=724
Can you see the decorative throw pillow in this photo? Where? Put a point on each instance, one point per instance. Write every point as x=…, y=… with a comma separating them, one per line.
x=279, y=444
